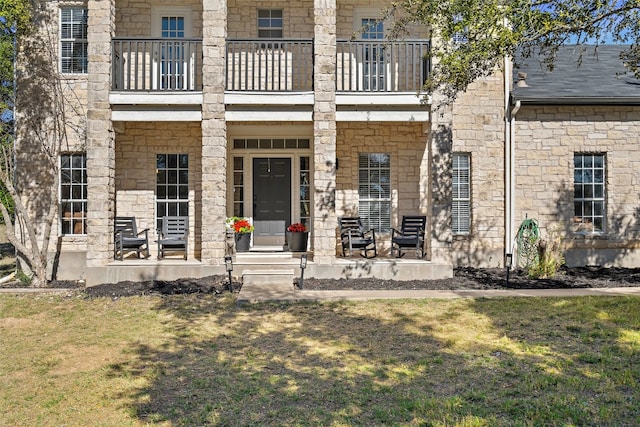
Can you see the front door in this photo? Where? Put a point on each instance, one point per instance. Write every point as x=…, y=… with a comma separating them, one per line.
x=271, y=199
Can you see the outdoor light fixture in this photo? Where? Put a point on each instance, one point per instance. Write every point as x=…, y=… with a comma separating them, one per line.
x=228, y=265
x=508, y=262
x=303, y=265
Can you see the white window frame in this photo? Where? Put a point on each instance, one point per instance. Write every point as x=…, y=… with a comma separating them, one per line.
x=589, y=193
x=157, y=13
x=73, y=194
x=79, y=13
x=461, y=194
x=374, y=191
x=270, y=20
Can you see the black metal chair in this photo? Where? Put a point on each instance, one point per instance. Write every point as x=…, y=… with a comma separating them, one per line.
x=354, y=236
x=410, y=235
x=174, y=235
x=128, y=238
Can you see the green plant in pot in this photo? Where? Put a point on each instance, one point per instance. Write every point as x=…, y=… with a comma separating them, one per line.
x=242, y=229
x=297, y=237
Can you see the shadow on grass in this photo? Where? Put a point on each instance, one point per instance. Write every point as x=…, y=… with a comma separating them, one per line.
x=484, y=362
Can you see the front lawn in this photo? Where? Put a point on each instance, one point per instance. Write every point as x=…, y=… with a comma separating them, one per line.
x=201, y=360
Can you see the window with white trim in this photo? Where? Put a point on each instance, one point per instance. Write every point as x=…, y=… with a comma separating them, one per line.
x=461, y=194
x=374, y=190
x=270, y=23
x=172, y=186
x=73, y=40
x=73, y=193
x=589, y=205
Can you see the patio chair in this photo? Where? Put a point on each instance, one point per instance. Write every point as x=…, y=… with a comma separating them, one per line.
x=128, y=238
x=174, y=235
x=410, y=235
x=354, y=236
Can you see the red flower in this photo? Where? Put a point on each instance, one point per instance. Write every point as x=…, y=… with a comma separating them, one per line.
x=242, y=226
x=297, y=228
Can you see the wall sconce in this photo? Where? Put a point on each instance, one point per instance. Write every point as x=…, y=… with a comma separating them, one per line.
x=228, y=265
x=508, y=262
x=303, y=265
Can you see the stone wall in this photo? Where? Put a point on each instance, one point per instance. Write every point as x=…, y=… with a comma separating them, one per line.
x=297, y=18
x=406, y=143
x=136, y=151
x=546, y=140
x=133, y=18
x=478, y=128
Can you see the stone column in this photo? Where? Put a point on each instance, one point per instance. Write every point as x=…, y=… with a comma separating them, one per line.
x=440, y=146
x=214, y=132
x=324, y=132
x=100, y=147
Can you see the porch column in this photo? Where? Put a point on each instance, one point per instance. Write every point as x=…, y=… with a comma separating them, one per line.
x=213, y=183
x=324, y=132
x=441, y=145
x=100, y=147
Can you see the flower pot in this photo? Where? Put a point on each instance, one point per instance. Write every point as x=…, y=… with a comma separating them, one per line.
x=243, y=241
x=297, y=241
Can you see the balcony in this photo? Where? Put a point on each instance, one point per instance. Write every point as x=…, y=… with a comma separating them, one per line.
x=268, y=65
x=156, y=65
x=382, y=66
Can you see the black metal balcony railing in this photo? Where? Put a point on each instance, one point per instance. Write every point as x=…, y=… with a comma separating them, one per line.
x=381, y=66
x=269, y=65
x=156, y=64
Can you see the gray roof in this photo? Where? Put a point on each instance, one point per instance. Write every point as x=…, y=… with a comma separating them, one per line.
x=599, y=77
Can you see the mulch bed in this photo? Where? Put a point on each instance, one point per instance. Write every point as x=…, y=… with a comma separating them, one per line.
x=464, y=278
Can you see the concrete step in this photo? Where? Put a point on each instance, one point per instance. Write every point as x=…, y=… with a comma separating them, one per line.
x=273, y=278
x=271, y=259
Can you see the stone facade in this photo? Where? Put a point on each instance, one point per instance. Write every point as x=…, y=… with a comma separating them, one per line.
x=122, y=154
x=478, y=128
x=136, y=150
x=407, y=145
x=546, y=139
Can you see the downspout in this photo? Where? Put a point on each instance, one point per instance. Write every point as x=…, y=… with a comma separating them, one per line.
x=511, y=178
x=509, y=155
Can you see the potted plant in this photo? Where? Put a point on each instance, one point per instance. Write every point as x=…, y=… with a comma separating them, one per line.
x=242, y=229
x=297, y=237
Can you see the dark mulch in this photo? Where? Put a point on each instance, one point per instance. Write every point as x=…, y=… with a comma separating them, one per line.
x=464, y=278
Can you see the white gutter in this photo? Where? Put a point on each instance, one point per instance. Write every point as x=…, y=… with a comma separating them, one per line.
x=510, y=153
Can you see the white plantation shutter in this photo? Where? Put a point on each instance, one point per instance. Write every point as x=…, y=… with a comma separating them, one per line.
x=374, y=190
x=461, y=204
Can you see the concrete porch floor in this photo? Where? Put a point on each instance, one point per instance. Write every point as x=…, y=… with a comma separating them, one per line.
x=263, y=263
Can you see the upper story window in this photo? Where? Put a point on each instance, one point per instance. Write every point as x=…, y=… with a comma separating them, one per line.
x=372, y=29
x=461, y=200
x=172, y=27
x=73, y=40
x=270, y=23
x=73, y=193
x=589, y=206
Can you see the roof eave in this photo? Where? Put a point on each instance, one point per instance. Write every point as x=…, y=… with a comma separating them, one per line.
x=576, y=100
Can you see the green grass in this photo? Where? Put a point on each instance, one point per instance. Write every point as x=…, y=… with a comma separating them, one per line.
x=202, y=360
